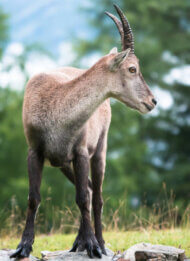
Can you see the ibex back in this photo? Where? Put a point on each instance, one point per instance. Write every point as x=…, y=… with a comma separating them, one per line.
x=66, y=117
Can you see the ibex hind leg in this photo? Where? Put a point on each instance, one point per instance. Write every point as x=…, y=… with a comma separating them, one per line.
x=35, y=166
x=67, y=170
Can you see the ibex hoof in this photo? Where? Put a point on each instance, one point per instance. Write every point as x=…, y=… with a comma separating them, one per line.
x=22, y=251
x=90, y=244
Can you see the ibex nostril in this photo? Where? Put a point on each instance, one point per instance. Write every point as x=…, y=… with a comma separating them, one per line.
x=154, y=101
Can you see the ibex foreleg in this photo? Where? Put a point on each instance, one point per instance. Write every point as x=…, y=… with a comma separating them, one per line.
x=86, y=238
x=35, y=165
x=98, y=169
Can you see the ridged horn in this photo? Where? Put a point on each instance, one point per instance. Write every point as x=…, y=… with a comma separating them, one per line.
x=128, y=39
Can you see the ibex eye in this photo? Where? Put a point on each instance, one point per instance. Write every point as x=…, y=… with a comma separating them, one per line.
x=132, y=70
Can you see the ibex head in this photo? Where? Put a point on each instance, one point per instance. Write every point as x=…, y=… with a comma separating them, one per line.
x=129, y=85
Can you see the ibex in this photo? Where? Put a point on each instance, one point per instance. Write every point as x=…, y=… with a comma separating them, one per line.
x=66, y=117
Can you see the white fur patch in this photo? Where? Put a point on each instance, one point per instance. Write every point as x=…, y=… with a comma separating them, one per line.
x=113, y=50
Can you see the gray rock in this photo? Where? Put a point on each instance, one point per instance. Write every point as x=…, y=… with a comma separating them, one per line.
x=56, y=256
x=5, y=255
x=154, y=252
x=73, y=256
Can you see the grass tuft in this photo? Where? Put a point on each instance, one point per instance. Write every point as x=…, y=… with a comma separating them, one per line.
x=116, y=241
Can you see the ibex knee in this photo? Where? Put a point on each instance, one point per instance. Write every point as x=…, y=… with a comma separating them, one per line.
x=83, y=199
x=34, y=200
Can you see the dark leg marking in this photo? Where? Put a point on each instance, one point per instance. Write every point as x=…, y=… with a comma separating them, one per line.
x=69, y=173
x=97, y=200
x=97, y=170
x=86, y=238
x=35, y=166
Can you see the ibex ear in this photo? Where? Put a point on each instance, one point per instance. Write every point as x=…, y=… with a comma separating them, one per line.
x=118, y=59
x=113, y=50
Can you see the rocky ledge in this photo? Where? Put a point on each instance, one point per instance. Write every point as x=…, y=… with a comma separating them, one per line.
x=138, y=252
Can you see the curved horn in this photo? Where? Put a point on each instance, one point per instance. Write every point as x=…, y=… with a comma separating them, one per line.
x=128, y=41
x=118, y=24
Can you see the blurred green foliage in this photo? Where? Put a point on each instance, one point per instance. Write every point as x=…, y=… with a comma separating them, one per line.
x=144, y=152
x=3, y=31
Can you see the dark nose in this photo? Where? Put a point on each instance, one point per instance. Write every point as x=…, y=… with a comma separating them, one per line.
x=154, y=101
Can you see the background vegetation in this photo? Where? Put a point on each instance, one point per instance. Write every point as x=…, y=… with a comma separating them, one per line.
x=147, y=181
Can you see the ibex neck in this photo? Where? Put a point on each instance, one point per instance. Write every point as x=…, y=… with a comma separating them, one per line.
x=84, y=95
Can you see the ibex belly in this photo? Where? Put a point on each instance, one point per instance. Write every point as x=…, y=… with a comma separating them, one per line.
x=61, y=148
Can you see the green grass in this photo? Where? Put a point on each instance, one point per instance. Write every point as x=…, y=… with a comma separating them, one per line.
x=114, y=240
